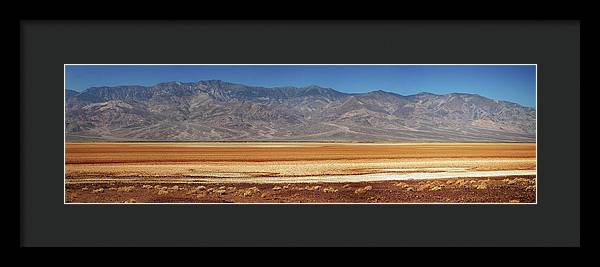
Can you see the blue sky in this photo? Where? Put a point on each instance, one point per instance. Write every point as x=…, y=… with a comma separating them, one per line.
x=515, y=83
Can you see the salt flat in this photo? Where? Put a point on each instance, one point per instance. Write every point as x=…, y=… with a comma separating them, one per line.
x=292, y=163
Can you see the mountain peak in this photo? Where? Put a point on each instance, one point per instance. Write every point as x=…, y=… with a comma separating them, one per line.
x=426, y=93
x=381, y=93
x=213, y=82
x=464, y=94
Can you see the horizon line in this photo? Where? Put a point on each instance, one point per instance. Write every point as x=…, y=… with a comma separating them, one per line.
x=297, y=87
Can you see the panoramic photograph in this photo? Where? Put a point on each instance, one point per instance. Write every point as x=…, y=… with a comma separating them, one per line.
x=300, y=134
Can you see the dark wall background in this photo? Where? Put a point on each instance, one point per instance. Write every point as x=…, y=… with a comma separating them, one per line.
x=553, y=45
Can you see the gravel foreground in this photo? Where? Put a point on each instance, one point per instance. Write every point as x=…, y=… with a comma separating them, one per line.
x=509, y=190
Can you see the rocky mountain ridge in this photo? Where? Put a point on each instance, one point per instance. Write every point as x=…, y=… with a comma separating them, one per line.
x=215, y=110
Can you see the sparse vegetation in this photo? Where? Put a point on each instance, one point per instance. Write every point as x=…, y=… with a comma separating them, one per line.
x=168, y=178
x=126, y=189
x=329, y=190
x=363, y=190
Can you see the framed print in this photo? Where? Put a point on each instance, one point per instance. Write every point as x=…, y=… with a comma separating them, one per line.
x=300, y=133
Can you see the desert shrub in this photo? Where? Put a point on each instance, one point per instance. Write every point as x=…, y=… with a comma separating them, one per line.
x=196, y=189
x=329, y=190
x=363, y=189
x=312, y=188
x=126, y=189
x=162, y=192
x=250, y=191
x=530, y=188
x=373, y=199
x=402, y=184
x=99, y=190
x=220, y=191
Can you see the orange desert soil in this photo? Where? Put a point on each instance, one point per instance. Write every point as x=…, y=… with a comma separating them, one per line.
x=282, y=173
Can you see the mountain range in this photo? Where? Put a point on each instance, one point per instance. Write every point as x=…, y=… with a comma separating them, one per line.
x=215, y=110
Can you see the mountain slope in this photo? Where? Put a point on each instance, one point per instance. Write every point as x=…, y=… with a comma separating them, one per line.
x=215, y=110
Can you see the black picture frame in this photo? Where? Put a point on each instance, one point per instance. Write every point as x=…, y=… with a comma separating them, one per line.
x=45, y=46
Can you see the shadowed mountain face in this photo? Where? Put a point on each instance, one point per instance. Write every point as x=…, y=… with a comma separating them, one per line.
x=221, y=111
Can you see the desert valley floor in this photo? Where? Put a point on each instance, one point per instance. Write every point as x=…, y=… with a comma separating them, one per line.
x=177, y=172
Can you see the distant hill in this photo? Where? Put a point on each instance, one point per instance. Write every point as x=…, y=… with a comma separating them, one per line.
x=215, y=110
